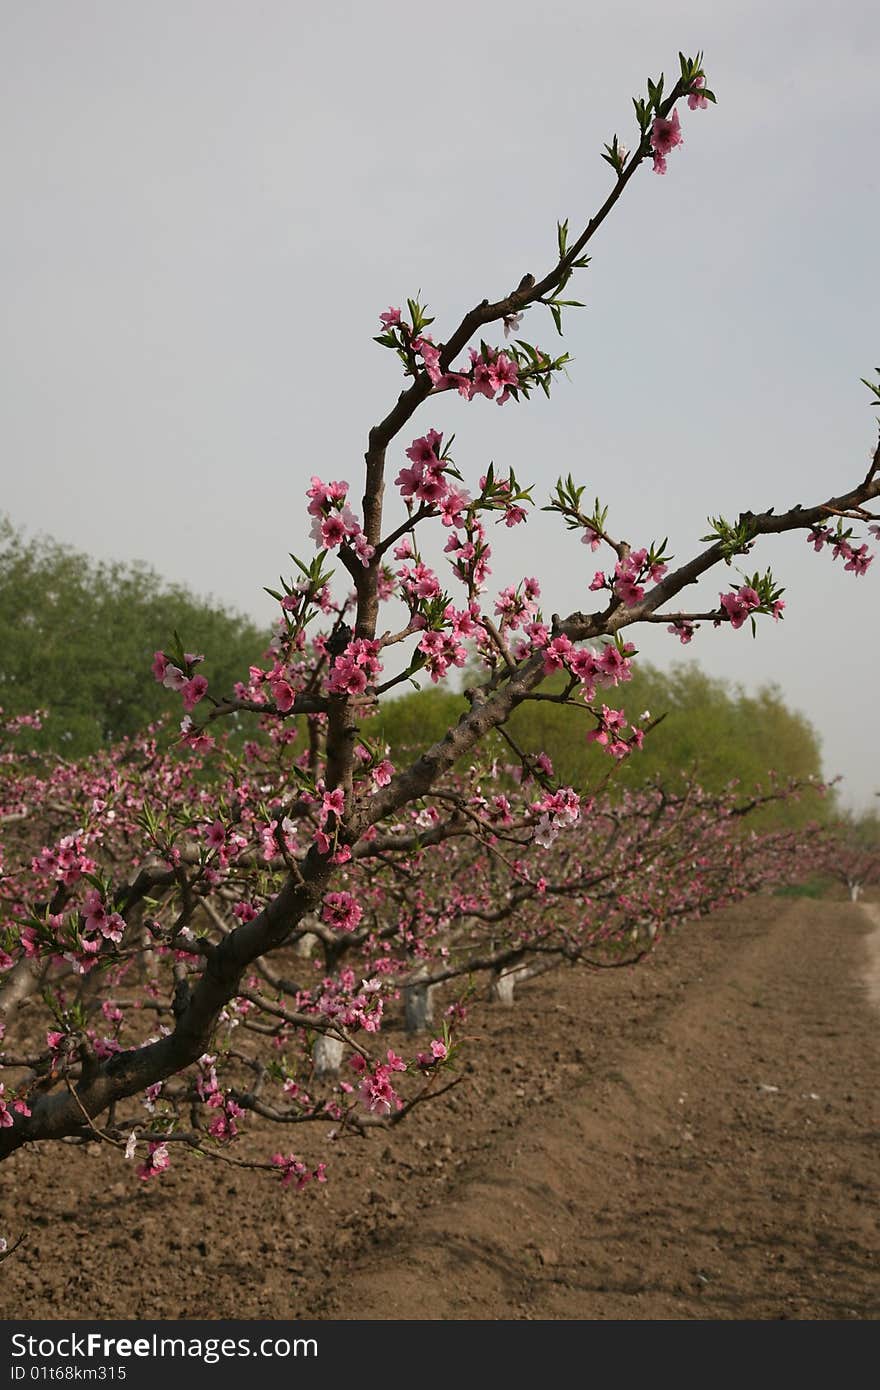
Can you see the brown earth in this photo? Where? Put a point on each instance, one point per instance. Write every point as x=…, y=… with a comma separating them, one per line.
x=695, y=1138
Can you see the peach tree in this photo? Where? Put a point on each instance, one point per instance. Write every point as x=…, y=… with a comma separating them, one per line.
x=164, y=916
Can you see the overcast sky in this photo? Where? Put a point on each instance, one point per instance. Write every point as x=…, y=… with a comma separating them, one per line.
x=207, y=205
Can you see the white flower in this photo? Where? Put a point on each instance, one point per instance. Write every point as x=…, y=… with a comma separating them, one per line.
x=511, y=324
x=545, y=832
x=131, y=1145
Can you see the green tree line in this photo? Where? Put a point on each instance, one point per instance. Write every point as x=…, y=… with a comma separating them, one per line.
x=77, y=638
x=709, y=728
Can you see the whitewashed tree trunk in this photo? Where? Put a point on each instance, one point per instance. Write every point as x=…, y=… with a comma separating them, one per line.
x=418, y=1006
x=505, y=981
x=327, y=1056
x=855, y=891
x=305, y=945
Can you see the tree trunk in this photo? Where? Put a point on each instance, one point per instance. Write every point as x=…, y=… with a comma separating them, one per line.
x=327, y=1056
x=505, y=981
x=418, y=1006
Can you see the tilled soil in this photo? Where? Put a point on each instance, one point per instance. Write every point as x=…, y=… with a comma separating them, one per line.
x=694, y=1138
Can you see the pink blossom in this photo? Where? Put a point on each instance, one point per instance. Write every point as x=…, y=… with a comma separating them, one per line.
x=157, y=1161
x=817, y=537
x=173, y=679
x=613, y=665
x=333, y=531
x=503, y=375
x=739, y=605
x=696, y=100
x=216, y=835
x=193, y=691
x=283, y=695
x=438, y=1053
x=294, y=1170
x=426, y=449
x=666, y=134
x=376, y=1090
x=342, y=911
x=555, y=654
x=333, y=803
x=859, y=560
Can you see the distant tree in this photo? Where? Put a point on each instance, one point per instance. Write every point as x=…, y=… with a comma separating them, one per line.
x=710, y=729
x=852, y=853
x=77, y=637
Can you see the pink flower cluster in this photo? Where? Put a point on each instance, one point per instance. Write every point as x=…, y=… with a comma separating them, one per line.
x=665, y=136
x=341, y=910
x=355, y=667
x=192, y=688
x=554, y=812
x=666, y=133
x=293, y=1170
x=223, y=1126
x=683, y=630
x=381, y=771
x=740, y=604
x=333, y=521
x=469, y=555
x=426, y=481
x=630, y=575
x=609, y=667
x=98, y=921
x=19, y=1106
x=609, y=733
x=492, y=373
x=332, y=805
x=156, y=1162
x=376, y=1090
x=855, y=560
x=24, y=721
x=342, y=1000
x=428, y=1060
x=518, y=606
x=67, y=862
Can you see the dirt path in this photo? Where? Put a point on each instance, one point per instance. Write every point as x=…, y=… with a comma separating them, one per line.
x=722, y=1166
x=872, y=911
x=697, y=1138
